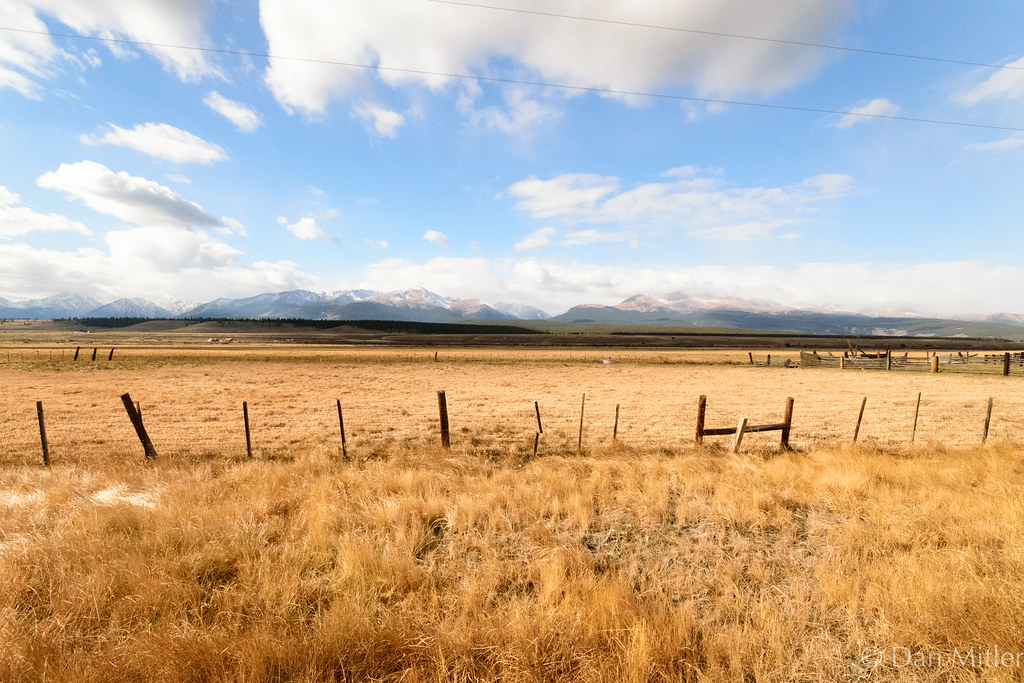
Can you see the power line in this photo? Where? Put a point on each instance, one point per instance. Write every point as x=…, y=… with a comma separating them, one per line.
x=515, y=81
x=823, y=46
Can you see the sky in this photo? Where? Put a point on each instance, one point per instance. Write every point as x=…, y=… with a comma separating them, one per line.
x=569, y=152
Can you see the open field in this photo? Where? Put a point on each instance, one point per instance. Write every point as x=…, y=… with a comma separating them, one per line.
x=643, y=559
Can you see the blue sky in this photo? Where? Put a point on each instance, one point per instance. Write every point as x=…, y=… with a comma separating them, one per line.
x=131, y=169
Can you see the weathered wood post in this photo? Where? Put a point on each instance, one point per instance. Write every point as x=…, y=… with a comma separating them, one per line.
x=140, y=430
x=248, y=437
x=888, y=359
x=768, y=361
x=702, y=404
x=442, y=408
x=859, y=418
x=42, y=434
x=583, y=404
x=917, y=410
x=341, y=425
x=94, y=354
x=536, y=406
x=77, y=349
x=615, y=429
x=935, y=363
x=536, y=442
x=1006, y=364
x=742, y=427
x=111, y=356
x=842, y=361
x=751, y=354
x=787, y=423
x=988, y=420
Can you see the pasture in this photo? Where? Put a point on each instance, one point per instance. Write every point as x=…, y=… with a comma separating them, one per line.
x=642, y=558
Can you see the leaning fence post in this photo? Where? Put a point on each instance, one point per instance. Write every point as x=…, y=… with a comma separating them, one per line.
x=579, y=444
x=94, y=354
x=988, y=420
x=787, y=422
x=133, y=415
x=742, y=427
x=77, y=349
x=702, y=404
x=442, y=408
x=615, y=429
x=917, y=409
x=111, y=356
x=859, y=418
x=536, y=406
x=248, y=438
x=42, y=434
x=341, y=424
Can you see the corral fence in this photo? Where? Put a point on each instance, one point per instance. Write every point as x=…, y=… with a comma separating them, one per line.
x=1006, y=364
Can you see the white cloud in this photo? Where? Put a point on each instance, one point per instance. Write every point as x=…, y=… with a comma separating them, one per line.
x=428, y=37
x=863, y=113
x=1004, y=84
x=162, y=141
x=384, y=121
x=927, y=288
x=150, y=21
x=18, y=220
x=1015, y=141
x=702, y=207
x=584, y=237
x=178, y=178
x=521, y=114
x=306, y=229
x=15, y=81
x=244, y=118
x=128, y=198
x=436, y=237
x=383, y=244
x=536, y=239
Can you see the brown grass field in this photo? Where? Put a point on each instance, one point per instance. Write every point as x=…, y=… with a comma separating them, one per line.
x=646, y=558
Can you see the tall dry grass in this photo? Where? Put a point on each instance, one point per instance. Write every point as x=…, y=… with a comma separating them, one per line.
x=647, y=559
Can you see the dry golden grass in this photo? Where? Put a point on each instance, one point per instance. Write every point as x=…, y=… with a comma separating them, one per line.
x=647, y=559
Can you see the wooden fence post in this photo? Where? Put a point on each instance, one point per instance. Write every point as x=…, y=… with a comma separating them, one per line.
x=702, y=404
x=42, y=434
x=787, y=422
x=751, y=354
x=615, y=430
x=1006, y=364
x=935, y=363
x=94, y=354
x=768, y=361
x=341, y=425
x=442, y=408
x=842, y=361
x=248, y=438
x=859, y=418
x=988, y=420
x=583, y=404
x=888, y=359
x=111, y=356
x=140, y=430
x=739, y=435
x=913, y=434
x=536, y=406
x=77, y=349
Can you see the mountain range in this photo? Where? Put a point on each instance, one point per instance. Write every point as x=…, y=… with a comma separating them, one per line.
x=421, y=305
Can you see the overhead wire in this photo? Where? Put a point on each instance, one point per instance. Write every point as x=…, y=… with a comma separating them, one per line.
x=516, y=81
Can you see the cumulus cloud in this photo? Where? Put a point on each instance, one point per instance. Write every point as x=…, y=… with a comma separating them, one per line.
x=1015, y=141
x=383, y=244
x=162, y=141
x=1005, y=84
x=700, y=206
x=436, y=237
x=306, y=229
x=521, y=114
x=383, y=121
x=536, y=239
x=864, y=112
x=150, y=21
x=244, y=118
x=16, y=220
x=427, y=37
x=126, y=197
